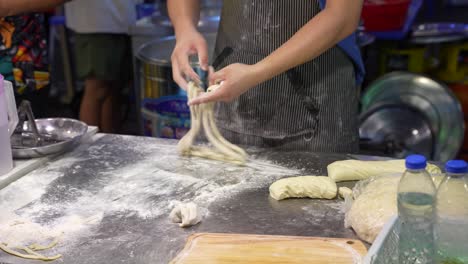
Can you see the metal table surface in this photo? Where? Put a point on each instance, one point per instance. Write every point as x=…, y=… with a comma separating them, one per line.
x=128, y=185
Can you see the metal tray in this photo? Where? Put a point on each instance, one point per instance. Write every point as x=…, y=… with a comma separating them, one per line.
x=66, y=132
x=431, y=33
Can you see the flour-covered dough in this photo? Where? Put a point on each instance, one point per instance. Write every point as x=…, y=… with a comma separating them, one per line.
x=186, y=214
x=352, y=170
x=321, y=187
x=374, y=205
x=345, y=192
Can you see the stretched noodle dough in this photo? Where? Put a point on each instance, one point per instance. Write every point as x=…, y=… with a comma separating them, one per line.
x=351, y=170
x=304, y=186
x=201, y=116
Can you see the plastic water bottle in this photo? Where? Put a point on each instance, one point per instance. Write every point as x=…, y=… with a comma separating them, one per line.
x=416, y=195
x=451, y=215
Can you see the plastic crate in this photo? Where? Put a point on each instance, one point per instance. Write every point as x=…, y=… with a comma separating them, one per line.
x=385, y=15
x=166, y=117
x=413, y=10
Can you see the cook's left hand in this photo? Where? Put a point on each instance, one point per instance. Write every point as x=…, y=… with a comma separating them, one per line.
x=235, y=79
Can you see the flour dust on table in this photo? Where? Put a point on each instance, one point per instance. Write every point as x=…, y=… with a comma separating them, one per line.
x=117, y=178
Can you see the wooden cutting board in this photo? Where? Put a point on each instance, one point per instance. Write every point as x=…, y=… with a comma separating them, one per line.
x=237, y=248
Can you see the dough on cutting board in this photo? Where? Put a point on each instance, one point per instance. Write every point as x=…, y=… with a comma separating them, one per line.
x=352, y=170
x=321, y=187
x=186, y=214
x=374, y=206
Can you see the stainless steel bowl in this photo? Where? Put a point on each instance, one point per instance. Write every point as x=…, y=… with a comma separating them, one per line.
x=67, y=132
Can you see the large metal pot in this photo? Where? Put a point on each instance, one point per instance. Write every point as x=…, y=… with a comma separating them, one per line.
x=158, y=90
x=205, y=5
x=158, y=28
x=155, y=69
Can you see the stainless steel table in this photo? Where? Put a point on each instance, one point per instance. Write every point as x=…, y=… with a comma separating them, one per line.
x=128, y=185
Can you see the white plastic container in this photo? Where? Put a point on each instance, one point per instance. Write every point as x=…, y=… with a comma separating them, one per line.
x=8, y=122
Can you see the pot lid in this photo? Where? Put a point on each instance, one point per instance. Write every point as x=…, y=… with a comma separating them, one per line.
x=431, y=99
x=396, y=131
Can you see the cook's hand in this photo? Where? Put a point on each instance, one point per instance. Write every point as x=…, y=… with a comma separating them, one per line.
x=235, y=79
x=188, y=43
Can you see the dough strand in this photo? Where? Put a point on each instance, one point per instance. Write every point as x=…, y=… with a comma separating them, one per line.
x=201, y=116
x=37, y=247
x=31, y=254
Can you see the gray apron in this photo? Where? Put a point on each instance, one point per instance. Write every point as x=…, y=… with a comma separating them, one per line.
x=311, y=107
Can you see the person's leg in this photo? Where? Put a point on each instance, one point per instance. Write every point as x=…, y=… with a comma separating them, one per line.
x=96, y=93
x=120, y=58
x=111, y=110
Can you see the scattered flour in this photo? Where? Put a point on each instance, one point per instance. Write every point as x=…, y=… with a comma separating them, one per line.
x=34, y=211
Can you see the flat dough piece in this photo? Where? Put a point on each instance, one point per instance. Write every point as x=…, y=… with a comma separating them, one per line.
x=186, y=214
x=353, y=170
x=321, y=187
x=375, y=205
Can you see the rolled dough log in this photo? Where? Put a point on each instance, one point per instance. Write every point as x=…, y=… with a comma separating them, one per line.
x=352, y=170
x=304, y=186
x=375, y=205
x=186, y=214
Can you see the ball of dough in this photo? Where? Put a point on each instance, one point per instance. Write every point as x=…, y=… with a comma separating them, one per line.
x=375, y=205
x=186, y=215
x=373, y=208
x=304, y=186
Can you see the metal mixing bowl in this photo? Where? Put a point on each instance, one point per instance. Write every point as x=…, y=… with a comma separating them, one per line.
x=66, y=132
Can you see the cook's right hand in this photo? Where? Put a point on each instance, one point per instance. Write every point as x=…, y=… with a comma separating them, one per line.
x=188, y=43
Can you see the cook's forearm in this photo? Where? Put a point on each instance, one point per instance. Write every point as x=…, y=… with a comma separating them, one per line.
x=325, y=30
x=184, y=14
x=13, y=7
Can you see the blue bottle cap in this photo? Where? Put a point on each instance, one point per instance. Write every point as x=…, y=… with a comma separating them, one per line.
x=416, y=162
x=456, y=166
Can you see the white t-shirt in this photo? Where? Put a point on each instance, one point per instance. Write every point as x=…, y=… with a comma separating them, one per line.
x=100, y=16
